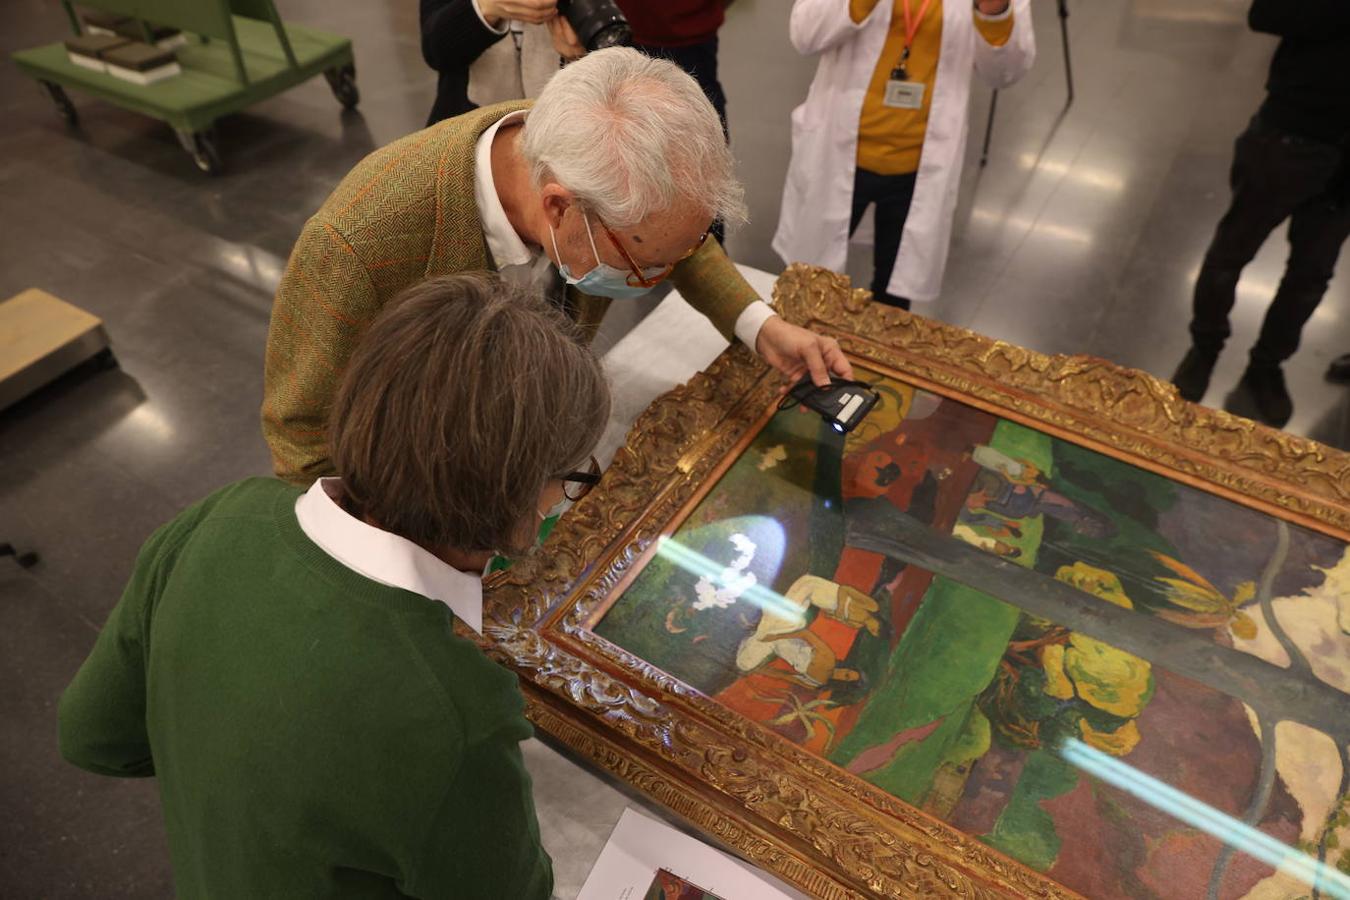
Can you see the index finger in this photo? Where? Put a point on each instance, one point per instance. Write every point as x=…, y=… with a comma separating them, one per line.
x=815, y=364
x=835, y=358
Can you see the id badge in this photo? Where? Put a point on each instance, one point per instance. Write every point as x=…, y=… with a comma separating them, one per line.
x=903, y=94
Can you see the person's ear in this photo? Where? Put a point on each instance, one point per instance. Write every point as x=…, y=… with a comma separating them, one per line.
x=556, y=199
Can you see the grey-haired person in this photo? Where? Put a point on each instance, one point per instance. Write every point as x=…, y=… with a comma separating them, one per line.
x=601, y=189
x=284, y=660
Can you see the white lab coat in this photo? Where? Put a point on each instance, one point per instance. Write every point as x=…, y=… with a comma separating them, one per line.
x=818, y=196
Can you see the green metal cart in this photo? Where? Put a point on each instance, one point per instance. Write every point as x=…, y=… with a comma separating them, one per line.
x=238, y=53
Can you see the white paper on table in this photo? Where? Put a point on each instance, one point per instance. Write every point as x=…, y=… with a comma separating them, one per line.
x=639, y=846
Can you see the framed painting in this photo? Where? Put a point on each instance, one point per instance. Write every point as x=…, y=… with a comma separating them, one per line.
x=1038, y=627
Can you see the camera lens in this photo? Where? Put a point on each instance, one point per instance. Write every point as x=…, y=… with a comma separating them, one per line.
x=598, y=23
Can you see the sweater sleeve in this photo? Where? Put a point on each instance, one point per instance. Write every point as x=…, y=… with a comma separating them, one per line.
x=484, y=839
x=1305, y=18
x=324, y=303
x=101, y=715
x=454, y=34
x=995, y=29
x=712, y=284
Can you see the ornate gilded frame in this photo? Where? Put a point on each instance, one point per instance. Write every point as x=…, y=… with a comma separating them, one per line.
x=793, y=814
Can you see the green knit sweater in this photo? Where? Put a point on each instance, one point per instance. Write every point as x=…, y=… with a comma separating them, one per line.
x=314, y=733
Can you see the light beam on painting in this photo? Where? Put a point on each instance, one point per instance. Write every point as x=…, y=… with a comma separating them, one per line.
x=1201, y=815
x=756, y=539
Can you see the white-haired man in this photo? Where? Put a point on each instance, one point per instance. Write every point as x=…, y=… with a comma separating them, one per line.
x=603, y=187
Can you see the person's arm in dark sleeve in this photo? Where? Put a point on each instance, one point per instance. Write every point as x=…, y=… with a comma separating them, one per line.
x=1299, y=18
x=484, y=839
x=454, y=34
x=102, y=713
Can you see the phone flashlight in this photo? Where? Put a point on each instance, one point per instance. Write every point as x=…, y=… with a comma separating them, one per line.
x=843, y=403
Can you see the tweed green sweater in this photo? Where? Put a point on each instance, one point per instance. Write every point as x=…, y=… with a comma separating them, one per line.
x=405, y=213
x=314, y=733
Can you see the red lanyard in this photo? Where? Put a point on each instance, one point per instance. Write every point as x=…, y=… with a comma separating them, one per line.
x=911, y=30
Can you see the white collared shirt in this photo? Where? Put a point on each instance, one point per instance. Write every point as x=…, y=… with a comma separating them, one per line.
x=383, y=557
x=519, y=263
x=497, y=29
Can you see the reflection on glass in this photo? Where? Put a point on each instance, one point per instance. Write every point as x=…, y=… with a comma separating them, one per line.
x=951, y=597
x=719, y=586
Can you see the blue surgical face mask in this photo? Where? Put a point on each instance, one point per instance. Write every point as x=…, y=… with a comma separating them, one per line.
x=603, y=280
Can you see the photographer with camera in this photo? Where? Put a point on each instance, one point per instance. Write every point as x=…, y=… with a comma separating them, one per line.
x=600, y=190
x=463, y=41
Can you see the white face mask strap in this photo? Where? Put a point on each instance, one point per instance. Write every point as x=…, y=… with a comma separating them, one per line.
x=554, y=238
x=591, y=236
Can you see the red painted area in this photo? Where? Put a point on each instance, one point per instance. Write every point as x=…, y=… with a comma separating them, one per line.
x=858, y=569
x=1114, y=844
x=906, y=597
x=761, y=697
x=757, y=696
x=879, y=756
x=938, y=445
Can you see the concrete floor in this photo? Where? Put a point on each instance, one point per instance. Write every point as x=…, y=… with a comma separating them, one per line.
x=1083, y=234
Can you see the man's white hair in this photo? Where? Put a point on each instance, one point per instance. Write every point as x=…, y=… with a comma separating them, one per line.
x=632, y=136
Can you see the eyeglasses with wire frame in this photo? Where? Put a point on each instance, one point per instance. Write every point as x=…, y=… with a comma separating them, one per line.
x=636, y=277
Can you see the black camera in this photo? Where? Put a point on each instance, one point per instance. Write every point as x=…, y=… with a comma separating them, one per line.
x=598, y=23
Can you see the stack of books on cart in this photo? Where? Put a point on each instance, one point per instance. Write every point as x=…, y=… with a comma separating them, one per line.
x=129, y=60
x=98, y=22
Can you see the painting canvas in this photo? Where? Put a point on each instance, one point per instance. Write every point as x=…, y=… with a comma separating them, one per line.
x=1120, y=680
x=666, y=885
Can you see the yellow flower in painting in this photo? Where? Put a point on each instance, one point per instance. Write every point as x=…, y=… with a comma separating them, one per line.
x=1057, y=684
x=1111, y=680
x=1116, y=743
x=1202, y=604
x=1097, y=582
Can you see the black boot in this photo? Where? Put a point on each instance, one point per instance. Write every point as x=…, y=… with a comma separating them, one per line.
x=1192, y=376
x=1262, y=395
x=1339, y=370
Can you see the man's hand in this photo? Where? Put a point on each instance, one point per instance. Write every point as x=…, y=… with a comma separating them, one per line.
x=794, y=351
x=565, y=40
x=992, y=7
x=535, y=12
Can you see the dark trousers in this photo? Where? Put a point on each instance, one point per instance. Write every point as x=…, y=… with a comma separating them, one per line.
x=892, y=195
x=1275, y=176
x=700, y=61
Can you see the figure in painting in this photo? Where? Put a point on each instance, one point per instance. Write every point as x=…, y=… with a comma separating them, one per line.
x=781, y=635
x=1015, y=489
x=958, y=699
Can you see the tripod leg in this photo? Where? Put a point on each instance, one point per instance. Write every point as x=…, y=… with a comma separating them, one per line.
x=988, y=130
x=1064, y=37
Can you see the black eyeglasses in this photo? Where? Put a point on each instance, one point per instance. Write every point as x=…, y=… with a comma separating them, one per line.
x=578, y=484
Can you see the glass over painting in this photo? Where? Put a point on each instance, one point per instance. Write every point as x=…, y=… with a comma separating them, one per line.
x=1133, y=685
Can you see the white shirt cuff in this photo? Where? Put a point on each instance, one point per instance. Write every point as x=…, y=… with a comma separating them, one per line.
x=504, y=26
x=1006, y=14
x=751, y=320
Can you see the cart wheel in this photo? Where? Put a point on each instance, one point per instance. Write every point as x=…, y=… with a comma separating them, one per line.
x=201, y=146
x=342, y=79
x=63, y=104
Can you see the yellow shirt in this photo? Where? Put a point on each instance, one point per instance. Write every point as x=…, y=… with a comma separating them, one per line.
x=891, y=140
